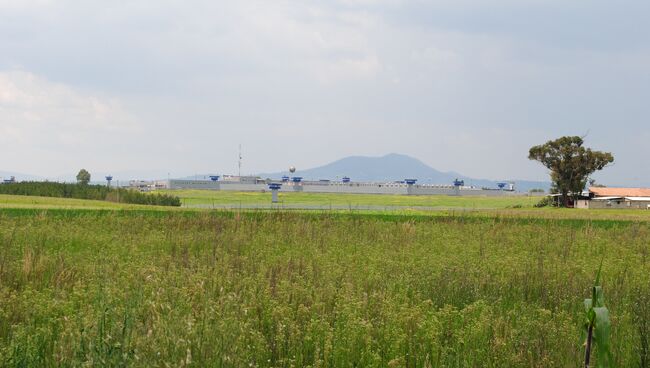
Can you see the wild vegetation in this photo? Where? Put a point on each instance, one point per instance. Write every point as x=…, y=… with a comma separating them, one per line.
x=85, y=191
x=234, y=289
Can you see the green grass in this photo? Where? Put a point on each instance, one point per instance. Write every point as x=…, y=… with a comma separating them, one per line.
x=21, y=201
x=207, y=197
x=465, y=207
x=142, y=287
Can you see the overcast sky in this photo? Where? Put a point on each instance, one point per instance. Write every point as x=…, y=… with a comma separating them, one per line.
x=176, y=86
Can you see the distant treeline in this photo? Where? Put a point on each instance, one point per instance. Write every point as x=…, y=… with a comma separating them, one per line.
x=81, y=191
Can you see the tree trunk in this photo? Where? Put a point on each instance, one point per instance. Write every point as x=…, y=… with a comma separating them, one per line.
x=565, y=200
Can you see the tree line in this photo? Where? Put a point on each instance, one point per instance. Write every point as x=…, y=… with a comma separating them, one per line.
x=85, y=191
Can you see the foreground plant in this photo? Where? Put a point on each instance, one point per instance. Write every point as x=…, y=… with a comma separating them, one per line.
x=597, y=325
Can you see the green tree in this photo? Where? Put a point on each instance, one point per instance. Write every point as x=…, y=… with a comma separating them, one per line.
x=570, y=164
x=83, y=177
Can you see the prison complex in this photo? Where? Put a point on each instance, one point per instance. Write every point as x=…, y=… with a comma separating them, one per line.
x=407, y=186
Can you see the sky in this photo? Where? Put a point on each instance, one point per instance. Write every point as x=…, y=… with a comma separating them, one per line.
x=150, y=87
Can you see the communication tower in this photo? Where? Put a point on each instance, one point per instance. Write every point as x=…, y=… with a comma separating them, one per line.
x=239, y=163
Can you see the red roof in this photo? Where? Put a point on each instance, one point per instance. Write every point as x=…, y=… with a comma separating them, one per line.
x=620, y=192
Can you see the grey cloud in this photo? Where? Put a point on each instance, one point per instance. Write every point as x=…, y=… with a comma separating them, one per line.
x=463, y=85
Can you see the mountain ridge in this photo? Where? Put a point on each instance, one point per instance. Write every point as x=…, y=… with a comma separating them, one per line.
x=392, y=167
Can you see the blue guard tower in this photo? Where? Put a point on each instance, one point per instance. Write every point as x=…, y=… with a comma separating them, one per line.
x=345, y=179
x=11, y=180
x=297, y=183
x=507, y=186
x=109, y=179
x=457, y=184
x=285, y=179
x=275, y=187
x=409, y=185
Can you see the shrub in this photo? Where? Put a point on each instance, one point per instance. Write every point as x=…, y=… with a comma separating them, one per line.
x=546, y=202
x=94, y=192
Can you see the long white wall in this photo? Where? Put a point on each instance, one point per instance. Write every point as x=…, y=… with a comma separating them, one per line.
x=351, y=188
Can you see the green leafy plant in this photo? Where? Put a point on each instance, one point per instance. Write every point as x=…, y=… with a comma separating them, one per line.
x=546, y=201
x=597, y=325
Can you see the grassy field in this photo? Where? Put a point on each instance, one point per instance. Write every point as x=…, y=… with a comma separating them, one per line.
x=20, y=201
x=464, y=206
x=207, y=198
x=100, y=284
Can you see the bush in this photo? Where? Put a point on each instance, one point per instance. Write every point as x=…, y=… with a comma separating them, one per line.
x=545, y=202
x=94, y=192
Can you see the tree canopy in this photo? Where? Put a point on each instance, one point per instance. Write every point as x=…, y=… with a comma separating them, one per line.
x=83, y=177
x=570, y=164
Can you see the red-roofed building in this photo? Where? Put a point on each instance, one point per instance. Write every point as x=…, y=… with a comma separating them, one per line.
x=620, y=192
x=632, y=198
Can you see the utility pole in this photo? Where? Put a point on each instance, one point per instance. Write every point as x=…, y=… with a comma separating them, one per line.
x=239, y=164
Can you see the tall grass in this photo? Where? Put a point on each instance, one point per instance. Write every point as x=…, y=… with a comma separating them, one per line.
x=286, y=289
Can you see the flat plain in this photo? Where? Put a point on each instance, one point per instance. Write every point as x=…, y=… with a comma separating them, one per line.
x=90, y=283
x=207, y=198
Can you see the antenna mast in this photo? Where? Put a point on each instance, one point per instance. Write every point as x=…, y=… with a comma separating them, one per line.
x=239, y=160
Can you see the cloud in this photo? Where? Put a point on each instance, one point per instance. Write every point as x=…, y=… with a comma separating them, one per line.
x=48, y=121
x=461, y=84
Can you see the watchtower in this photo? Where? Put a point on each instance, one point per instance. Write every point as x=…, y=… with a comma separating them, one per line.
x=297, y=183
x=457, y=184
x=275, y=187
x=409, y=185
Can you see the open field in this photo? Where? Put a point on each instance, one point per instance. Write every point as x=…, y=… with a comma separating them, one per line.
x=21, y=201
x=464, y=207
x=274, y=288
x=208, y=198
x=515, y=206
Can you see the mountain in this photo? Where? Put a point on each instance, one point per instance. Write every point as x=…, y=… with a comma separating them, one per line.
x=393, y=167
x=390, y=167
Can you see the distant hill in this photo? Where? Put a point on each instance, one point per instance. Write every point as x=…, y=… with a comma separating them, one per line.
x=390, y=167
x=393, y=167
